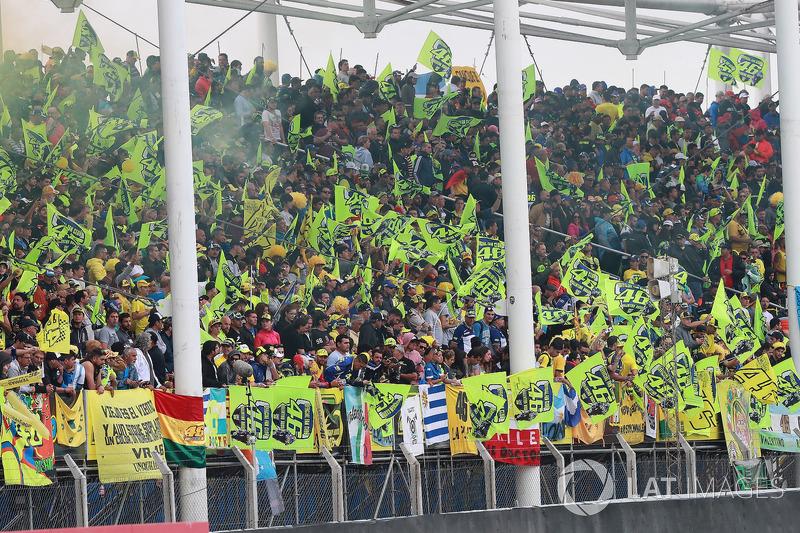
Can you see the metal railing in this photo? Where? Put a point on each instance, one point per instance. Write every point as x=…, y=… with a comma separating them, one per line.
x=315, y=490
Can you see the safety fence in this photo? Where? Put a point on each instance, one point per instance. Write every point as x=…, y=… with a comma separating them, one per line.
x=309, y=490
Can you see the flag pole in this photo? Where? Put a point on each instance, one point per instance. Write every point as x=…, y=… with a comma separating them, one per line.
x=192, y=491
x=515, y=215
x=788, y=41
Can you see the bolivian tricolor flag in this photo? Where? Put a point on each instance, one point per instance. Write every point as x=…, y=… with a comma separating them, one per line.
x=183, y=428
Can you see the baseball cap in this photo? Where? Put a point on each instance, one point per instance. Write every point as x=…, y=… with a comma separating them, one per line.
x=470, y=313
x=24, y=338
x=26, y=322
x=694, y=237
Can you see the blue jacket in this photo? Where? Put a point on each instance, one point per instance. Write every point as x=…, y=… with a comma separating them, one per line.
x=423, y=170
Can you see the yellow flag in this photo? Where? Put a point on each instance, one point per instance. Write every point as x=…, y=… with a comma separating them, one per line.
x=71, y=423
x=330, y=78
x=54, y=336
x=758, y=378
x=86, y=38
x=109, y=75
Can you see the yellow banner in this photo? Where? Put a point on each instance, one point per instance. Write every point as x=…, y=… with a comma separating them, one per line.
x=70, y=422
x=127, y=432
x=631, y=420
x=734, y=404
x=330, y=424
x=24, y=379
x=472, y=79
x=54, y=336
x=27, y=445
x=704, y=422
x=458, y=422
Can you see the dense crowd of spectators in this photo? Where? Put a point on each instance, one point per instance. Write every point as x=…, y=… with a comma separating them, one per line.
x=356, y=315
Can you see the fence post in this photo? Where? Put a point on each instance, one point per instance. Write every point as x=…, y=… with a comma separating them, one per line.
x=383, y=489
x=562, y=481
x=81, y=493
x=337, y=485
x=252, y=488
x=489, y=477
x=630, y=463
x=416, y=480
x=691, y=465
x=167, y=486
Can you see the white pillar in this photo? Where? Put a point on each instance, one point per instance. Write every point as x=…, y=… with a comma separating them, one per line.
x=268, y=37
x=180, y=209
x=788, y=53
x=515, y=211
x=756, y=95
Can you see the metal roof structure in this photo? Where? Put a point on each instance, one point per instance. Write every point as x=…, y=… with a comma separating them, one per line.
x=628, y=25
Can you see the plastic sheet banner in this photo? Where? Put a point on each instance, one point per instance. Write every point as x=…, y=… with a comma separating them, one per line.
x=488, y=404
x=331, y=403
x=126, y=433
x=412, y=424
x=458, y=421
x=734, y=404
x=385, y=402
x=70, y=422
x=532, y=393
x=631, y=420
x=788, y=385
x=277, y=417
x=517, y=447
x=357, y=427
x=780, y=435
x=215, y=413
x=27, y=443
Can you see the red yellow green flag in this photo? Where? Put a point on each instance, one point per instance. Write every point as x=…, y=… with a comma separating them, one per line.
x=183, y=428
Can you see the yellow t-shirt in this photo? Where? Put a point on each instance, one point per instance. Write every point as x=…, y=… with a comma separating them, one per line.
x=633, y=276
x=627, y=365
x=544, y=360
x=710, y=347
x=558, y=365
x=137, y=306
x=780, y=262
x=737, y=230
x=607, y=108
